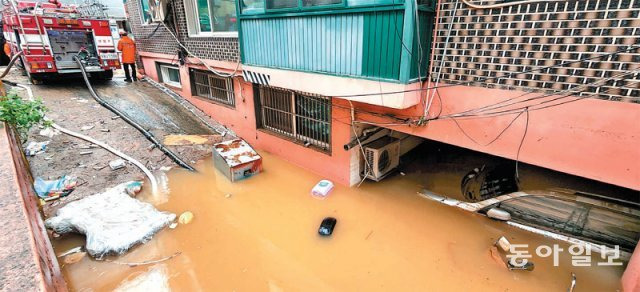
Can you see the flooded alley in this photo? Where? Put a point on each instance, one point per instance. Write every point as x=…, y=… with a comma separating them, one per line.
x=320, y=145
x=260, y=234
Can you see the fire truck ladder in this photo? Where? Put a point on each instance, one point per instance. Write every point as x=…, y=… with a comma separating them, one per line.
x=22, y=31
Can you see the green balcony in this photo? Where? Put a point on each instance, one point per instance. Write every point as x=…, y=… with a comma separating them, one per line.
x=369, y=39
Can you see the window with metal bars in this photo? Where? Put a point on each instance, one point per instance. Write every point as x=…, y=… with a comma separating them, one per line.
x=212, y=87
x=301, y=117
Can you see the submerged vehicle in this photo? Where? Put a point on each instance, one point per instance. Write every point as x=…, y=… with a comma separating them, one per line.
x=575, y=217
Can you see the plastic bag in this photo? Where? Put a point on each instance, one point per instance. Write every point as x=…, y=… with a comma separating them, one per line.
x=51, y=189
x=112, y=221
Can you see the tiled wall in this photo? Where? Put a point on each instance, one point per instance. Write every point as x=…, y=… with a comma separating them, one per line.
x=489, y=43
x=211, y=48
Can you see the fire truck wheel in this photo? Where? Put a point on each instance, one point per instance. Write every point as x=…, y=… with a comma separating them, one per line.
x=107, y=75
x=34, y=79
x=102, y=76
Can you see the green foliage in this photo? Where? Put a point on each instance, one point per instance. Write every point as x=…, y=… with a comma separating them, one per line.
x=22, y=114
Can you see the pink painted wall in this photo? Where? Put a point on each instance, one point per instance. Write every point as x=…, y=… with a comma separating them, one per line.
x=592, y=138
x=242, y=121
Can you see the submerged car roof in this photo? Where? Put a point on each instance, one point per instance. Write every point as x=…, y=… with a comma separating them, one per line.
x=626, y=207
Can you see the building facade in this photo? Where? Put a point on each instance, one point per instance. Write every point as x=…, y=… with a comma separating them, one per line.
x=554, y=84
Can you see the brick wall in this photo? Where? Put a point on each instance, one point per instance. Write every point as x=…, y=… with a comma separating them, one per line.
x=211, y=48
x=486, y=43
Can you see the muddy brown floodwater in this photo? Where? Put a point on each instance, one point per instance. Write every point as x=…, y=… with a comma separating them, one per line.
x=260, y=234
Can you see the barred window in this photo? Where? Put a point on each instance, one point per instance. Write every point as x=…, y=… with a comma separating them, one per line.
x=301, y=117
x=212, y=87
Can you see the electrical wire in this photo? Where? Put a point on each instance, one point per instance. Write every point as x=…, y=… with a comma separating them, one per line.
x=492, y=140
x=524, y=135
x=571, y=93
x=507, y=4
x=427, y=105
x=224, y=75
x=364, y=156
x=479, y=80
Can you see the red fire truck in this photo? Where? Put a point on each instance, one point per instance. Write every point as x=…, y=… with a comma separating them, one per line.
x=50, y=35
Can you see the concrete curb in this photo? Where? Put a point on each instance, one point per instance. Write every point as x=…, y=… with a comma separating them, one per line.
x=27, y=259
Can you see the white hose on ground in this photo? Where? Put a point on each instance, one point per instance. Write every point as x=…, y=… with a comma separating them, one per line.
x=152, y=178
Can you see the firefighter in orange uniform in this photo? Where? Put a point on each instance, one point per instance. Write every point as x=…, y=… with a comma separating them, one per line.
x=128, y=48
x=7, y=49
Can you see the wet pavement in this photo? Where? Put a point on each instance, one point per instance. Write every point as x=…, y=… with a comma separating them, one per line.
x=71, y=106
x=260, y=234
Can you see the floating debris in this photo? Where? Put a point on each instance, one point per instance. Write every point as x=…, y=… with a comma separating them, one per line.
x=236, y=159
x=187, y=140
x=322, y=189
x=112, y=221
x=73, y=258
x=327, y=226
x=185, y=218
x=156, y=279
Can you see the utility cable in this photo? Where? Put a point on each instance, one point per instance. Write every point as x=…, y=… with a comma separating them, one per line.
x=457, y=83
x=442, y=60
x=224, y=75
x=507, y=4
x=130, y=121
x=571, y=93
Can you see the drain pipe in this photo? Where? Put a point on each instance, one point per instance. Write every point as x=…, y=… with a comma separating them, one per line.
x=131, y=122
x=152, y=178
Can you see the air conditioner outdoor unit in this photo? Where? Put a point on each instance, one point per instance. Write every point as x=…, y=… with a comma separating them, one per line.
x=382, y=156
x=158, y=10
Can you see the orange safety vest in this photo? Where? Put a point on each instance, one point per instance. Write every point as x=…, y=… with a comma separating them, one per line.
x=128, y=48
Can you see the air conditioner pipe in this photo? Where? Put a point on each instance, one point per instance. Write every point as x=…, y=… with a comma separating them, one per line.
x=368, y=135
x=130, y=121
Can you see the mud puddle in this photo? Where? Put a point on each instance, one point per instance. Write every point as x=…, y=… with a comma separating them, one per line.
x=260, y=234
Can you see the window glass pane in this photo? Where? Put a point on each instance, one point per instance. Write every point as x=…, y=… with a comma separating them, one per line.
x=612, y=228
x=249, y=6
x=224, y=15
x=307, y=3
x=174, y=75
x=278, y=4
x=352, y=3
x=541, y=211
x=204, y=16
x=146, y=14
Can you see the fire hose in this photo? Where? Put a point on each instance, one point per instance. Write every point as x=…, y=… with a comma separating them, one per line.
x=13, y=60
x=130, y=121
x=145, y=170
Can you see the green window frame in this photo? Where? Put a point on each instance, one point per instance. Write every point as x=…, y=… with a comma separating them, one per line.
x=145, y=11
x=261, y=7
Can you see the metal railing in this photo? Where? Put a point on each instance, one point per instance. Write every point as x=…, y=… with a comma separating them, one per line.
x=302, y=117
x=214, y=88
